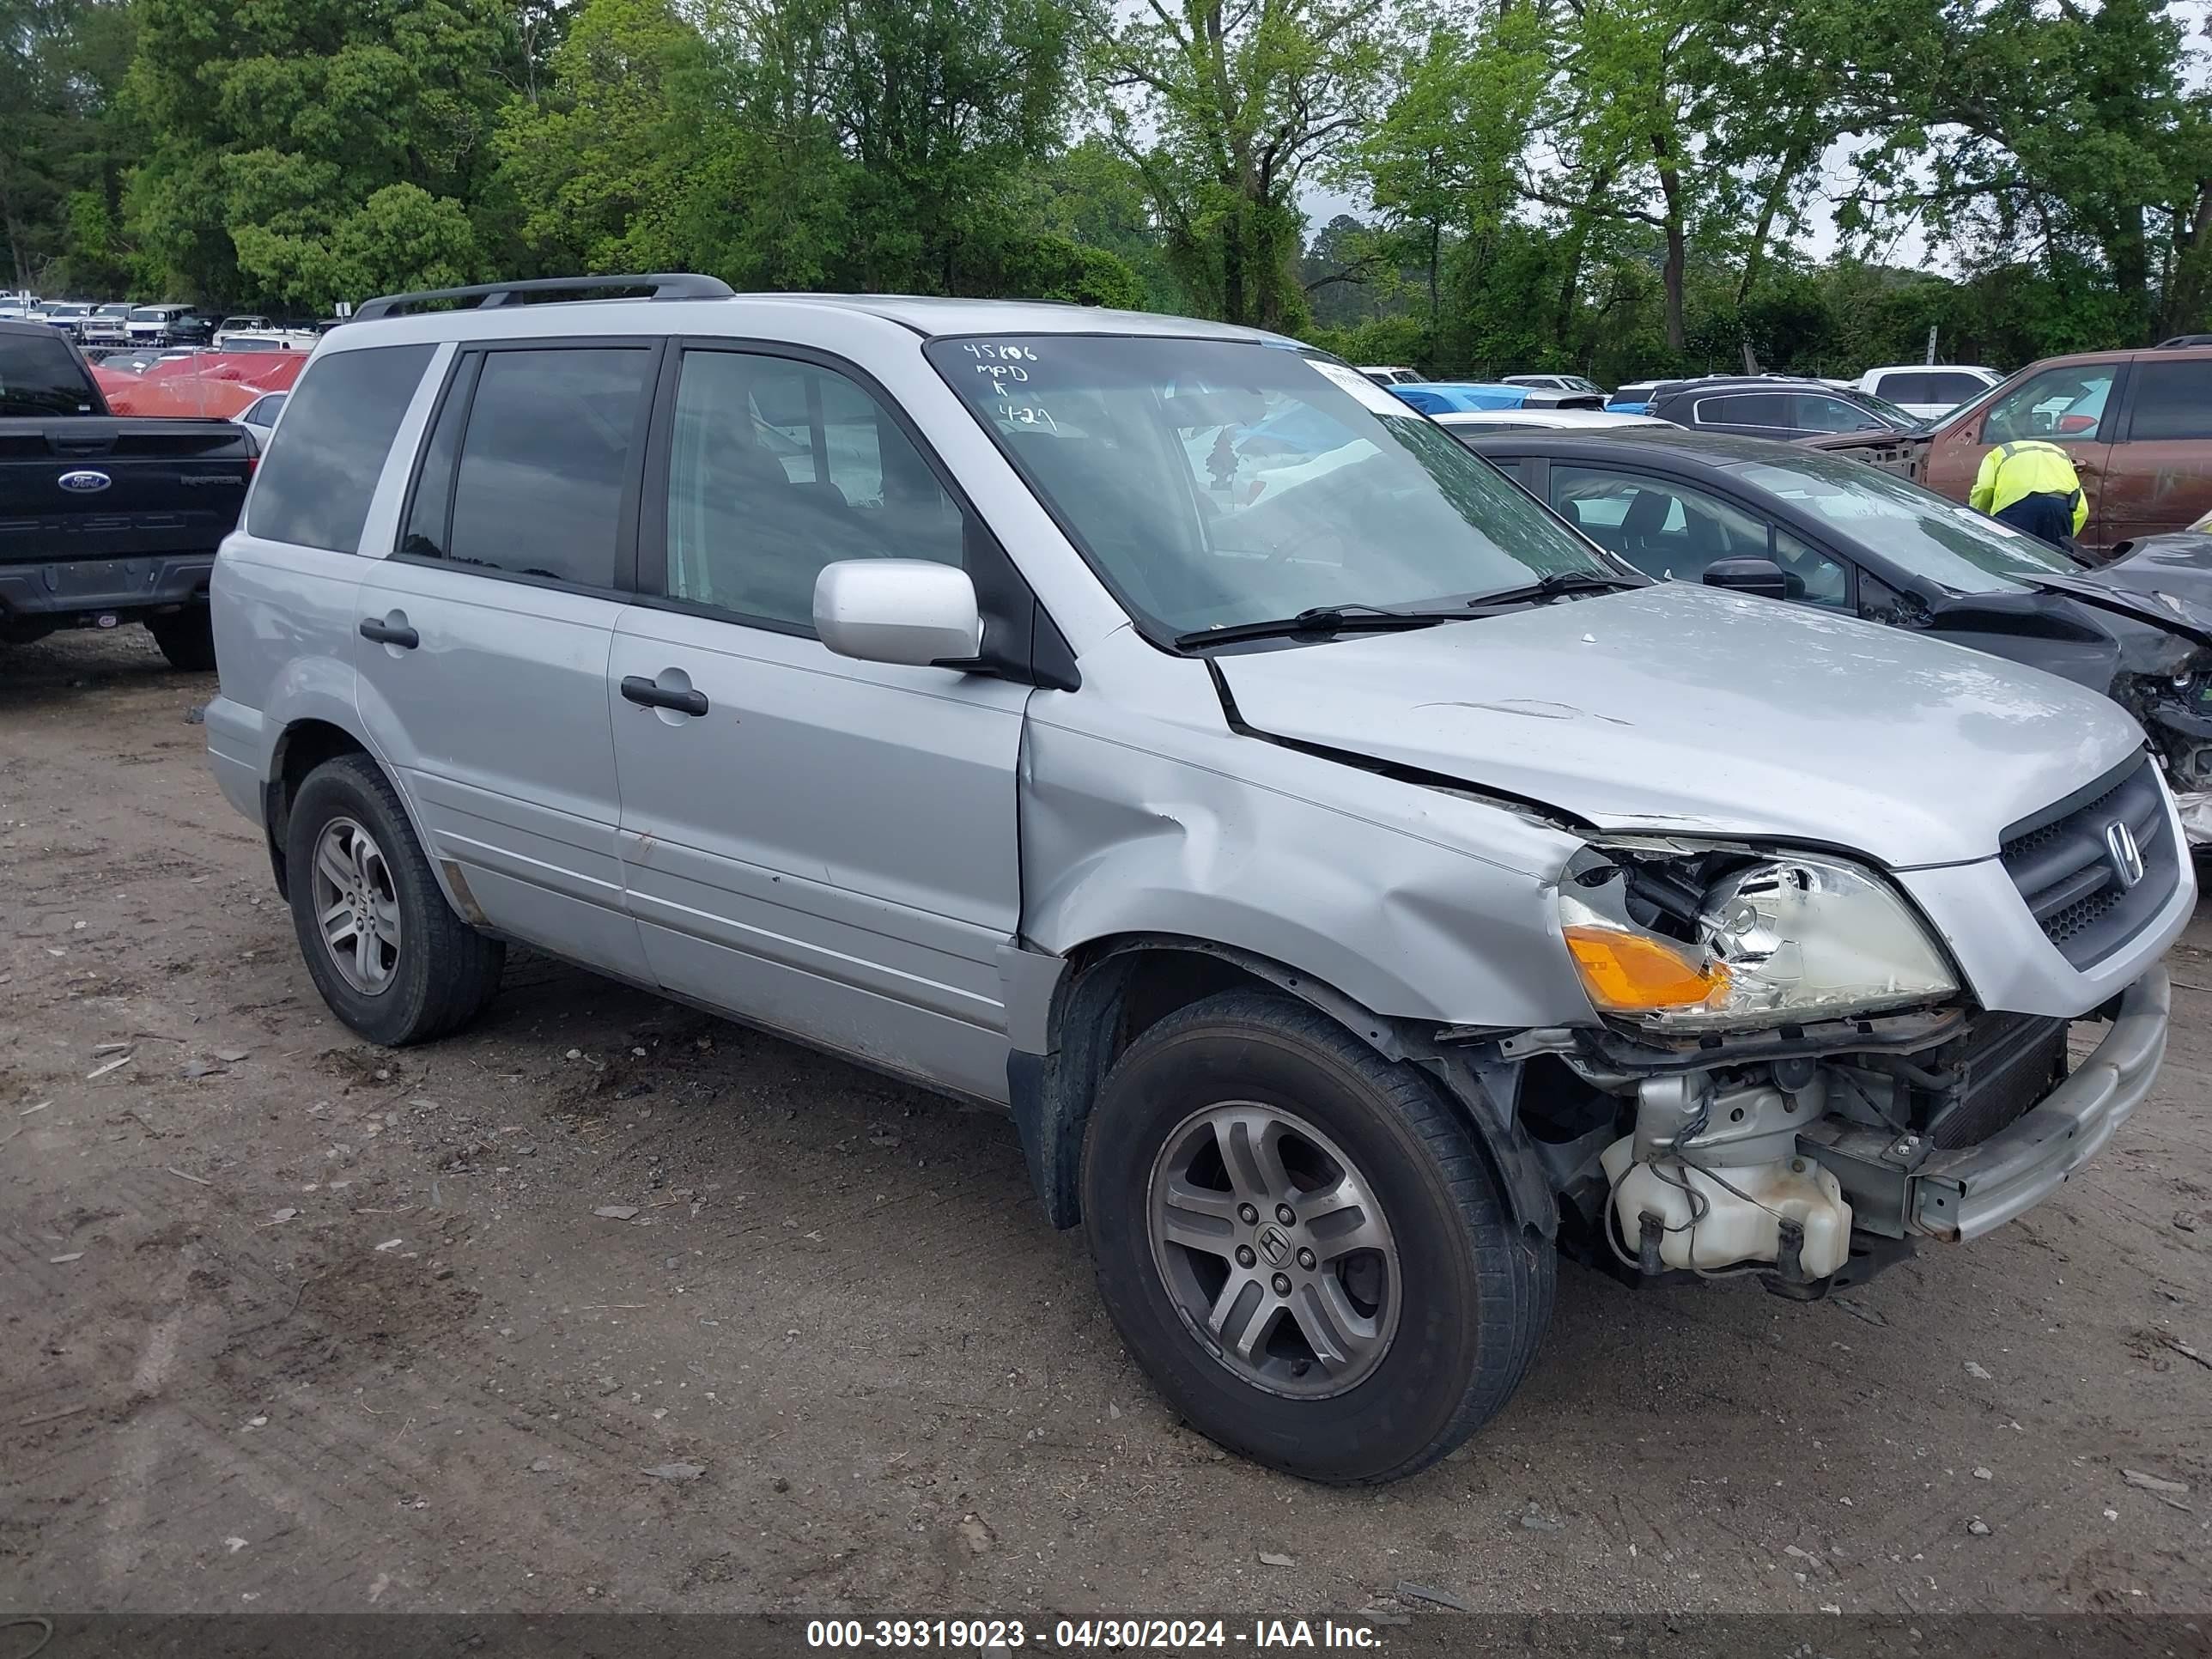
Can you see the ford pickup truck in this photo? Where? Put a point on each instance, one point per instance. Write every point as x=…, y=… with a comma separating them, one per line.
x=107, y=520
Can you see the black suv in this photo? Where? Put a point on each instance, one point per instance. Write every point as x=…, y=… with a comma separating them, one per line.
x=1774, y=406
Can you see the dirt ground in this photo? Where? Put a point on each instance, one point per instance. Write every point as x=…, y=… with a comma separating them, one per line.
x=606, y=1304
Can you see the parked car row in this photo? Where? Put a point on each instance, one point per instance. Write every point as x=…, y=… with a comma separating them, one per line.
x=1823, y=531
x=1921, y=392
x=119, y=324
x=1362, y=876
x=2137, y=425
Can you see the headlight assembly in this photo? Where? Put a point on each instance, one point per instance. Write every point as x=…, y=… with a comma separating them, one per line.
x=1696, y=941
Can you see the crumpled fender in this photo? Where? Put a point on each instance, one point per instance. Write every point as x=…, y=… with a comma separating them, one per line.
x=1415, y=904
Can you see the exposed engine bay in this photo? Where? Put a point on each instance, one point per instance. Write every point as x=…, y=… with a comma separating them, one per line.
x=1826, y=1102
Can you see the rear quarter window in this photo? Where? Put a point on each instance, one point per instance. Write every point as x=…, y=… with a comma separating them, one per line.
x=38, y=376
x=323, y=464
x=2172, y=400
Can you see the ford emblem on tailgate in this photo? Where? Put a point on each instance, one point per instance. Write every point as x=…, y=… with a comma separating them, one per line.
x=85, y=482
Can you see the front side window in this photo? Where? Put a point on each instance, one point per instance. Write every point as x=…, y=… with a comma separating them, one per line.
x=2059, y=402
x=314, y=485
x=542, y=460
x=1675, y=531
x=777, y=467
x=2171, y=400
x=1212, y=482
x=1919, y=530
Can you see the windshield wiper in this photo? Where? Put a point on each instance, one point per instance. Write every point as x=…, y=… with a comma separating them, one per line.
x=1552, y=586
x=1319, y=619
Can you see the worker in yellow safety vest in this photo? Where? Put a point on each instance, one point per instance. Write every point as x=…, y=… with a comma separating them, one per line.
x=2032, y=486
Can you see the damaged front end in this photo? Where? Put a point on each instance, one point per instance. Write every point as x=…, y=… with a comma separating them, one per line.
x=1788, y=1083
x=2174, y=708
x=2122, y=630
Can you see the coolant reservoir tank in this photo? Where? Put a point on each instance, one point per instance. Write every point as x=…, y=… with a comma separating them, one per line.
x=1736, y=1227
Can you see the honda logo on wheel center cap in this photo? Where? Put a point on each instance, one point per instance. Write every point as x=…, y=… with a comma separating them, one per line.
x=1274, y=1244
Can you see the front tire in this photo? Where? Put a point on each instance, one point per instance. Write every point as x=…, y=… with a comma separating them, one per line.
x=1302, y=1245
x=387, y=952
x=186, y=638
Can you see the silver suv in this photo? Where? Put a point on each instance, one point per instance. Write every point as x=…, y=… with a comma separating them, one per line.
x=1359, y=888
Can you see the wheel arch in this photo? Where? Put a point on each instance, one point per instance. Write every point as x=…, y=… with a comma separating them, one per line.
x=310, y=741
x=1114, y=989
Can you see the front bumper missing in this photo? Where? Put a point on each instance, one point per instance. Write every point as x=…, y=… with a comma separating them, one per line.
x=1961, y=1196
x=2195, y=809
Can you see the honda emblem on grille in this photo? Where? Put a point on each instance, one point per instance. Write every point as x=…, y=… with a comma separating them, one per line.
x=2125, y=856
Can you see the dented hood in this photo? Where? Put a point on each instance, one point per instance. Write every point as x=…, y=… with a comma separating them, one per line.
x=1680, y=708
x=2164, y=579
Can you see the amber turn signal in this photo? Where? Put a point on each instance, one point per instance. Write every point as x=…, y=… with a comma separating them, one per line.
x=1633, y=973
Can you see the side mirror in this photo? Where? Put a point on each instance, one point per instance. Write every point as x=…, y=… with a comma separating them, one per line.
x=898, y=611
x=1761, y=576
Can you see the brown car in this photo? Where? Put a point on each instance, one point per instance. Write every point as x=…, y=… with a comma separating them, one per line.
x=2137, y=424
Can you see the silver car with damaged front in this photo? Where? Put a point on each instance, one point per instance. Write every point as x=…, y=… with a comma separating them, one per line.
x=1359, y=888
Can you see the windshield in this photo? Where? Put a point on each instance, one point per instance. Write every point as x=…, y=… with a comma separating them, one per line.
x=1216, y=481
x=1949, y=545
x=1903, y=419
x=150, y=314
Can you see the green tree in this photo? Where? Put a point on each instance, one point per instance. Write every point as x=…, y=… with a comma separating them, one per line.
x=63, y=138
x=2065, y=135
x=1227, y=108
x=602, y=161
x=1445, y=164
x=271, y=129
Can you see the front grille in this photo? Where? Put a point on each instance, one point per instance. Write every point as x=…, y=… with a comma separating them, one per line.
x=2001, y=1067
x=2062, y=861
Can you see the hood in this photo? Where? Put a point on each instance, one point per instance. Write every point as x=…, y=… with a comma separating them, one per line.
x=2163, y=579
x=1900, y=452
x=1678, y=708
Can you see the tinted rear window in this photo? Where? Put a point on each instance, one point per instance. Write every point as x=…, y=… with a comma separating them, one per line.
x=2171, y=400
x=324, y=462
x=1930, y=386
x=38, y=376
x=544, y=459
x=1746, y=408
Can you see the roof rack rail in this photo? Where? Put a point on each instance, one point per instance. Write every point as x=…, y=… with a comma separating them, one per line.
x=662, y=285
x=2182, y=342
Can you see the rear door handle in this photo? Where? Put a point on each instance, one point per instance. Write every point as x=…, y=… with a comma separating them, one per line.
x=645, y=693
x=384, y=633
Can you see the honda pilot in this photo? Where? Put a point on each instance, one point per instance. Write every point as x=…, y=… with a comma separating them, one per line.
x=1360, y=889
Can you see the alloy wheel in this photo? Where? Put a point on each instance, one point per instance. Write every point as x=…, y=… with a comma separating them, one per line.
x=1274, y=1249
x=356, y=906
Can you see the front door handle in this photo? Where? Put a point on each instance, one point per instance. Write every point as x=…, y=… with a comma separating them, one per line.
x=648, y=695
x=386, y=633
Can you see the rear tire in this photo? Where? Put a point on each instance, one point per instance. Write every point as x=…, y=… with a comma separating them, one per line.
x=186, y=638
x=1439, y=1299
x=352, y=864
